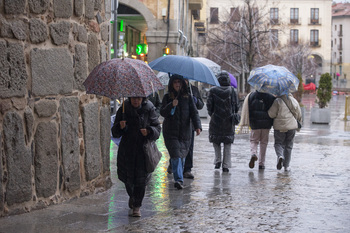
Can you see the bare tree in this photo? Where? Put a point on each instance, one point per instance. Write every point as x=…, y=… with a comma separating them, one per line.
x=243, y=40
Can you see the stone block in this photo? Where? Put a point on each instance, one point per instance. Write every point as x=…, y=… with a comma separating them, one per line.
x=1, y=188
x=19, y=160
x=38, y=6
x=92, y=141
x=29, y=122
x=105, y=127
x=12, y=70
x=6, y=31
x=60, y=32
x=38, y=31
x=80, y=33
x=93, y=52
x=105, y=32
x=89, y=9
x=69, y=111
x=45, y=108
x=80, y=69
x=46, y=159
x=63, y=8
x=52, y=71
x=78, y=7
x=19, y=29
x=15, y=6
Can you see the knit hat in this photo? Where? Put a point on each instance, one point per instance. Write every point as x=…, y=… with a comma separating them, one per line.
x=224, y=79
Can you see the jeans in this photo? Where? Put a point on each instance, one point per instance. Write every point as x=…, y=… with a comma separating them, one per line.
x=284, y=145
x=226, y=162
x=177, y=165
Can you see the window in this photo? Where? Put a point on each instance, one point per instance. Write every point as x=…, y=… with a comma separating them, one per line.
x=340, y=46
x=274, y=15
x=335, y=27
x=235, y=16
x=314, y=38
x=294, y=15
x=274, y=36
x=214, y=15
x=340, y=33
x=294, y=36
x=314, y=15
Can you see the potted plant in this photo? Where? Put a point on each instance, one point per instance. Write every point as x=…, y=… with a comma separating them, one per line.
x=324, y=95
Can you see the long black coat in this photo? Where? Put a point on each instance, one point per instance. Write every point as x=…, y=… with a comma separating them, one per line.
x=177, y=129
x=131, y=166
x=259, y=103
x=222, y=103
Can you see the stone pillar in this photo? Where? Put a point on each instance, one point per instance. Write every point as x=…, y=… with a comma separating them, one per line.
x=49, y=149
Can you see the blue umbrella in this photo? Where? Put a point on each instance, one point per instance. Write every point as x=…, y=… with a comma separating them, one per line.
x=188, y=67
x=276, y=80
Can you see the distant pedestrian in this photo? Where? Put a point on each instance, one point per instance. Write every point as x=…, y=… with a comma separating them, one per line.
x=138, y=123
x=283, y=110
x=178, y=110
x=197, y=99
x=255, y=107
x=154, y=98
x=222, y=103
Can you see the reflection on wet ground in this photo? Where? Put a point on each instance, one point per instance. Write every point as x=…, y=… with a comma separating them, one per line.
x=314, y=196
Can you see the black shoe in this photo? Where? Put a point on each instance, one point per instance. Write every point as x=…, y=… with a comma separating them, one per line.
x=178, y=185
x=225, y=169
x=279, y=163
x=217, y=165
x=261, y=167
x=188, y=175
x=252, y=161
x=169, y=170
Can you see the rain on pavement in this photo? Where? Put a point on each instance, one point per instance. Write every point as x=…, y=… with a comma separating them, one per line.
x=313, y=197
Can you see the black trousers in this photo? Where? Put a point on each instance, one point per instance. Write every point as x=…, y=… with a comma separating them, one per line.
x=189, y=157
x=136, y=192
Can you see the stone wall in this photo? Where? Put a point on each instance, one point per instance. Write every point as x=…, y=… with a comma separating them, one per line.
x=54, y=138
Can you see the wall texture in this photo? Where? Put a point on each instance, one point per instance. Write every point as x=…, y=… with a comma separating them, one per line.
x=54, y=138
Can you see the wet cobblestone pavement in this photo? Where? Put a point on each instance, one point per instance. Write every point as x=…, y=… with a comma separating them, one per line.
x=313, y=197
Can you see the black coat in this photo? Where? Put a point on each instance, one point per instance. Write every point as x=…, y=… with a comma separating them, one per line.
x=259, y=103
x=195, y=92
x=222, y=103
x=131, y=159
x=177, y=129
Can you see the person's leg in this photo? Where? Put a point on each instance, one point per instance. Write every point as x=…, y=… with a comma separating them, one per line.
x=177, y=165
x=279, y=147
x=264, y=140
x=289, y=141
x=139, y=194
x=217, y=160
x=169, y=170
x=189, y=160
x=227, y=157
x=254, y=141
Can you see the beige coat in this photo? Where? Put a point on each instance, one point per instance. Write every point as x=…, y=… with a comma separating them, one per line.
x=283, y=118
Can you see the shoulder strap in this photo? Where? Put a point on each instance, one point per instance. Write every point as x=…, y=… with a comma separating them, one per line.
x=288, y=108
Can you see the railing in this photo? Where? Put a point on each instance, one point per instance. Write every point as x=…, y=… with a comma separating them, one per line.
x=340, y=60
x=315, y=21
x=347, y=108
x=315, y=43
x=340, y=47
x=274, y=21
x=294, y=21
x=340, y=33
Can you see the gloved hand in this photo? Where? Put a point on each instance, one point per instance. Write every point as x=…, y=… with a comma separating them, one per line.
x=195, y=100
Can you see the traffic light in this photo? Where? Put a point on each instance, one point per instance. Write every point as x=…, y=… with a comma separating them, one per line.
x=166, y=51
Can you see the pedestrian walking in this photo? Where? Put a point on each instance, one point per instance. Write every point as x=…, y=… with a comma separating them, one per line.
x=154, y=98
x=135, y=122
x=285, y=111
x=197, y=99
x=255, y=107
x=222, y=103
x=178, y=110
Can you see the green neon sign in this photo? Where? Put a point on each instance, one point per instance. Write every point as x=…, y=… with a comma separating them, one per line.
x=121, y=25
x=141, y=48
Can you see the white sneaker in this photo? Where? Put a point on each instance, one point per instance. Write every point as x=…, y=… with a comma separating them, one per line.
x=287, y=169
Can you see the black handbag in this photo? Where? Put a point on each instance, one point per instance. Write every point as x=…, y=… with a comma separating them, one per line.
x=152, y=155
x=236, y=118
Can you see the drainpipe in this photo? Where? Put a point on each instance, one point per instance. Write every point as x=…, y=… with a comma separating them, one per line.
x=115, y=29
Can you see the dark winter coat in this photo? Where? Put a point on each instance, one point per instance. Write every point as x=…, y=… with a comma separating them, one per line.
x=222, y=103
x=154, y=98
x=131, y=159
x=259, y=103
x=177, y=129
x=198, y=99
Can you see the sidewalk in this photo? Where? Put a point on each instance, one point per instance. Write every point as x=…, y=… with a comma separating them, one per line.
x=313, y=197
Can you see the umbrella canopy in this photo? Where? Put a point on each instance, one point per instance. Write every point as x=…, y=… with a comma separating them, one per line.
x=233, y=80
x=185, y=66
x=126, y=77
x=211, y=65
x=276, y=80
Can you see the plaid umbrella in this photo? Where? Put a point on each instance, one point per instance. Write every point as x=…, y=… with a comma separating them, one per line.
x=276, y=80
x=126, y=77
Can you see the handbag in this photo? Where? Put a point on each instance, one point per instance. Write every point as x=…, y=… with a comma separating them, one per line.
x=298, y=122
x=152, y=155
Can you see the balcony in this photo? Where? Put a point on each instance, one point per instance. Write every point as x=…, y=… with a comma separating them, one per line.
x=199, y=24
x=196, y=14
x=340, y=60
x=274, y=21
x=340, y=33
x=340, y=47
x=195, y=4
x=315, y=44
x=313, y=21
x=294, y=21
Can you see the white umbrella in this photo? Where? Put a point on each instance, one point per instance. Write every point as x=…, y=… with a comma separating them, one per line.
x=210, y=64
